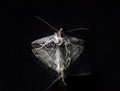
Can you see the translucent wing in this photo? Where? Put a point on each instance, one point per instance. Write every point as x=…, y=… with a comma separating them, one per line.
x=71, y=49
x=47, y=53
x=75, y=46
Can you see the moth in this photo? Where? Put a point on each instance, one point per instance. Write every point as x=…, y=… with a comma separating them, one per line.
x=58, y=51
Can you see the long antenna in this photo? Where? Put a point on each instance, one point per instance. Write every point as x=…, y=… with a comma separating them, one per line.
x=46, y=23
x=77, y=29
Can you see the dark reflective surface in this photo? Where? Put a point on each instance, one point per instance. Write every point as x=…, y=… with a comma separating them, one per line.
x=21, y=72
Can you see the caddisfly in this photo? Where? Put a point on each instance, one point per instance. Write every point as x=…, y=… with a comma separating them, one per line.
x=57, y=51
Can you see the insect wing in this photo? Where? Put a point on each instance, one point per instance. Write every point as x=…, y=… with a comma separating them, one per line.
x=38, y=43
x=72, y=50
x=75, y=47
x=81, y=67
x=45, y=50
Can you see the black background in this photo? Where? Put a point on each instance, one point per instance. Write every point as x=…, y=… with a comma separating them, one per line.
x=20, y=72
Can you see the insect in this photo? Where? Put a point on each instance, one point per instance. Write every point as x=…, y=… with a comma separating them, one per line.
x=57, y=51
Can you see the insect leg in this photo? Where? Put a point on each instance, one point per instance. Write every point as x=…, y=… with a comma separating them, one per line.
x=52, y=83
x=62, y=74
